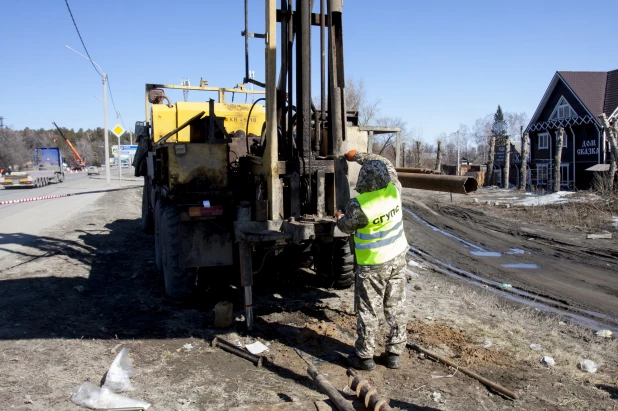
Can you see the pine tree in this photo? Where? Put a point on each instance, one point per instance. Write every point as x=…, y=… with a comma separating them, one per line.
x=499, y=127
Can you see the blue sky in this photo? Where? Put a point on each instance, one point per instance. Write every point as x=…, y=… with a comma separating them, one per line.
x=435, y=64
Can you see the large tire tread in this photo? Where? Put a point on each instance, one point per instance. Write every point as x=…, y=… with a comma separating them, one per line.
x=157, y=233
x=179, y=281
x=335, y=264
x=147, y=222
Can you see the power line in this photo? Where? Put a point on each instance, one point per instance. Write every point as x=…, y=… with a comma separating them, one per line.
x=109, y=87
x=112, y=97
x=80, y=38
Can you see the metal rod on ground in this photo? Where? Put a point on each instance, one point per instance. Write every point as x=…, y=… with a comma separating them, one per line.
x=449, y=184
x=326, y=386
x=466, y=371
x=229, y=347
x=365, y=392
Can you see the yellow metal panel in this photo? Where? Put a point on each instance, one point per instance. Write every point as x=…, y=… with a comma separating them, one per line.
x=202, y=167
x=235, y=116
x=163, y=120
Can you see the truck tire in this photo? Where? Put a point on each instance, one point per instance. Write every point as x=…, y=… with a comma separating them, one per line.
x=335, y=263
x=179, y=281
x=147, y=214
x=157, y=233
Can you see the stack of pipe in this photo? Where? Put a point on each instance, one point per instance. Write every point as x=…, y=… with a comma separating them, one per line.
x=426, y=179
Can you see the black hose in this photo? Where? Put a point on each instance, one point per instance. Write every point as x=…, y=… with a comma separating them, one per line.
x=249, y=118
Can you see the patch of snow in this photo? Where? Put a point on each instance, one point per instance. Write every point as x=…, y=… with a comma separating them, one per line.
x=413, y=263
x=486, y=253
x=553, y=198
x=508, y=198
x=615, y=221
x=519, y=265
x=514, y=251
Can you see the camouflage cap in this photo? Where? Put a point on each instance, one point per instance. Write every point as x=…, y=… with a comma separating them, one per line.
x=373, y=176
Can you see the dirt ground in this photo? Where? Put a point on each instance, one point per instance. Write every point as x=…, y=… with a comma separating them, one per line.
x=88, y=287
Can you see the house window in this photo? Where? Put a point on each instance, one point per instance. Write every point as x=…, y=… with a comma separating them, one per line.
x=541, y=173
x=543, y=141
x=564, y=174
x=563, y=110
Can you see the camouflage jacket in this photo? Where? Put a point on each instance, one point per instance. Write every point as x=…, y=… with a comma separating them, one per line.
x=376, y=172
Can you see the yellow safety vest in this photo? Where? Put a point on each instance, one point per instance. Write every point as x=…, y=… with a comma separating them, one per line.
x=383, y=238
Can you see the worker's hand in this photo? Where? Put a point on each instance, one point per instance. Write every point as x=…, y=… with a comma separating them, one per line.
x=338, y=215
x=350, y=155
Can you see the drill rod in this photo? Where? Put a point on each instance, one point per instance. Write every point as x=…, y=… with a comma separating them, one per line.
x=229, y=347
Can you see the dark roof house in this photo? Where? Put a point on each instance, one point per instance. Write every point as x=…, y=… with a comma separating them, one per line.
x=573, y=101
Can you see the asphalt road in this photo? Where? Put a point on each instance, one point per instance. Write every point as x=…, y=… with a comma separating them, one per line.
x=20, y=223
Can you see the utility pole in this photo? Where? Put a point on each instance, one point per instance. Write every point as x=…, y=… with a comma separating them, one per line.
x=108, y=175
x=458, y=152
x=119, y=154
x=1, y=123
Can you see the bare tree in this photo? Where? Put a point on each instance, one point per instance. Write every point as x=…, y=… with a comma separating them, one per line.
x=439, y=155
x=524, y=162
x=356, y=99
x=612, y=136
x=515, y=123
x=507, y=162
x=387, y=140
x=557, y=158
x=481, y=135
x=490, y=163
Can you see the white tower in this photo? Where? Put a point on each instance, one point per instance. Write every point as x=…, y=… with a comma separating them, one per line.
x=185, y=82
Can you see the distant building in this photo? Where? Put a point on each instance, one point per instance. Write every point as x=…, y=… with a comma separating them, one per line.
x=514, y=164
x=573, y=100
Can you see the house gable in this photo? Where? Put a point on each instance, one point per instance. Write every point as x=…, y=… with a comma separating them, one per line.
x=562, y=110
x=561, y=92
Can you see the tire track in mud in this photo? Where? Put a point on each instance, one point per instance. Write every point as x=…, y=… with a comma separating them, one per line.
x=539, y=296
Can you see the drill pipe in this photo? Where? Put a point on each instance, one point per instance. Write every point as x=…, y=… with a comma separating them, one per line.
x=484, y=381
x=449, y=184
x=417, y=170
x=329, y=389
x=229, y=347
x=364, y=391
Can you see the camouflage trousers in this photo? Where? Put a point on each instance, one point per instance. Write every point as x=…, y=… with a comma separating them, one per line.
x=381, y=287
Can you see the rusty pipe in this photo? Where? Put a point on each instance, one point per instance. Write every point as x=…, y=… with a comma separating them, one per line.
x=416, y=170
x=229, y=347
x=329, y=389
x=449, y=184
x=482, y=380
x=364, y=391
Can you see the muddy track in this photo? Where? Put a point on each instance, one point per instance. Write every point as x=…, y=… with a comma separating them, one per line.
x=570, y=248
x=556, y=265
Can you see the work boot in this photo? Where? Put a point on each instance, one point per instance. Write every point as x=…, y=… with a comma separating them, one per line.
x=392, y=360
x=365, y=364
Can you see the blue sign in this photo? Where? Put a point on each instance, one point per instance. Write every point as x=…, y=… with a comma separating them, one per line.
x=128, y=149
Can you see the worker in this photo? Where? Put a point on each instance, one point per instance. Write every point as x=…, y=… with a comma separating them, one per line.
x=375, y=217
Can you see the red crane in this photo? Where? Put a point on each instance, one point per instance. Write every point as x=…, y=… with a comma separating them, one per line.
x=76, y=157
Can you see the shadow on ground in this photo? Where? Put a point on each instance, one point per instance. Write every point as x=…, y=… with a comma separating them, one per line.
x=122, y=296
